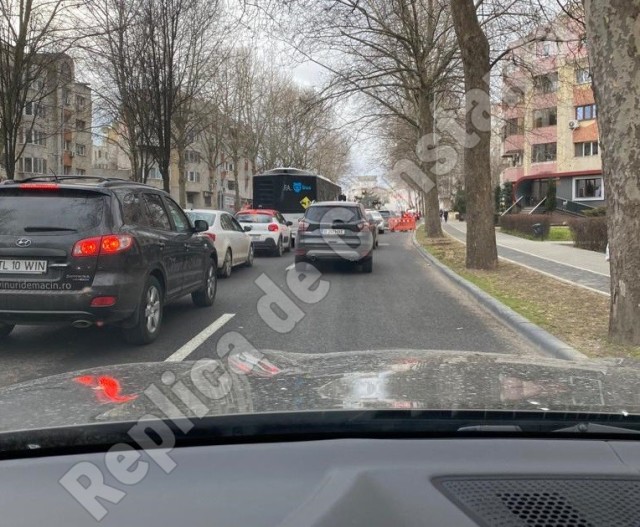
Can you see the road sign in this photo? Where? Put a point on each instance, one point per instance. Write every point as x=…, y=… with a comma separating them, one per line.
x=305, y=202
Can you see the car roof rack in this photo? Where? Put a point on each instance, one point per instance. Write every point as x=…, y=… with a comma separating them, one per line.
x=105, y=181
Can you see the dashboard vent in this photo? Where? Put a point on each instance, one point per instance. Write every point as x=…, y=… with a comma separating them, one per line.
x=532, y=502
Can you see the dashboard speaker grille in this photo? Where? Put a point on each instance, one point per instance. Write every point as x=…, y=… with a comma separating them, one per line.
x=557, y=502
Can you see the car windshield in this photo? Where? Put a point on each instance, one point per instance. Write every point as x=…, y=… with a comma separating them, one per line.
x=209, y=217
x=421, y=207
x=24, y=212
x=255, y=218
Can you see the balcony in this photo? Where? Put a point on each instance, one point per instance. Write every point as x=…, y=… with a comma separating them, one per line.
x=67, y=158
x=512, y=173
x=514, y=143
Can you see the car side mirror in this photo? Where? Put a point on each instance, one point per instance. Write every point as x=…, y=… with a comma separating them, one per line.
x=201, y=226
x=247, y=228
x=289, y=223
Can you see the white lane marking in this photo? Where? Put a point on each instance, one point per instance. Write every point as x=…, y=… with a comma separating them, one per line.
x=292, y=266
x=382, y=244
x=196, y=341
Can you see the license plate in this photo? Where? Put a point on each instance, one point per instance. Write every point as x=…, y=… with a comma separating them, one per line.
x=256, y=236
x=23, y=266
x=332, y=231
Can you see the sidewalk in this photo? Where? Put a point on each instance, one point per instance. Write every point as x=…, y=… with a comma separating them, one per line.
x=587, y=269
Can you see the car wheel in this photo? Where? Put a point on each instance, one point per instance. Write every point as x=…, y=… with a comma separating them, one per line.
x=288, y=249
x=5, y=329
x=150, y=312
x=250, y=256
x=227, y=265
x=367, y=265
x=377, y=242
x=279, y=251
x=204, y=297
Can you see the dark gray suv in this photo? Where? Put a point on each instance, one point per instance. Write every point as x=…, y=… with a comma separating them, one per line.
x=98, y=251
x=335, y=231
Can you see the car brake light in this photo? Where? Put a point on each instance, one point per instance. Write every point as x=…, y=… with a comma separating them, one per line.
x=273, y=227
x=362, y=226
x=302, y=226
x=110, y=244
x=210, y=235
x=39, y=186
x=104, y=301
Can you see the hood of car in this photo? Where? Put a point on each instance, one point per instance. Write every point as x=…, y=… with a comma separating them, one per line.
x=274, y=381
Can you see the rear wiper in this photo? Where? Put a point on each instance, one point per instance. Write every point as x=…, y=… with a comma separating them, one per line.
x=47, y=228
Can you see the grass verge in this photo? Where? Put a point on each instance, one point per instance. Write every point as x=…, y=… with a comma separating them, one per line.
x=557, y=233
x=575, y=315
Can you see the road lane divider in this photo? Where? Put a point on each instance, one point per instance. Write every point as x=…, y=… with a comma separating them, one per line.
x=199, y=339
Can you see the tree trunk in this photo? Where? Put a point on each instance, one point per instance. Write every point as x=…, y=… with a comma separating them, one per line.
x=432, y=223
x=481, y=236
x=614, y=44
x=182, y=178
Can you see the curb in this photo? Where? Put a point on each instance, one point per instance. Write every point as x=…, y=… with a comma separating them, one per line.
x=545, y=341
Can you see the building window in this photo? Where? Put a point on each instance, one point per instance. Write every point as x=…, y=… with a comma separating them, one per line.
x=81, y=125
x=588, y=188
x=543, y=152
x=590, y=148
x=547, y=49
x=32, y=165
x=514, y=127
x=68, y=99
x=546, y=83
x=231, y=185
x=515, y=159
x=229, y=167
x=192, y=177
x=545, y=117
x=34, y=108
x=81, y=172
x=68, y=146
x=584, y=113
x=154, y=173
x=66, y=170
x=81, y=102
x=583, y=76
x=191, y=156
x=80, y=149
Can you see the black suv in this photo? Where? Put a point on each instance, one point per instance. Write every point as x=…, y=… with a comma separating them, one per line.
x=98, y=251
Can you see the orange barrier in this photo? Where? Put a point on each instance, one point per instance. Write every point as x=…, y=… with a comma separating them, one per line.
x=407, y=223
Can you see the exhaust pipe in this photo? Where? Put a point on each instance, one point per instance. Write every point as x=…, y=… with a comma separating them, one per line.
x=81, y=324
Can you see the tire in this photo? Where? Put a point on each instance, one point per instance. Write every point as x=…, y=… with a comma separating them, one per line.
x=376, y=243
x=227, y=265
x=279, y=250
x=367, y=265
x=250, y=256
x=288, y=249
x=5, y=329
x=204, y=297
x=150, y=311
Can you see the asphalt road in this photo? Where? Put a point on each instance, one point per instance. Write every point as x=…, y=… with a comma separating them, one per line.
x=403, y=304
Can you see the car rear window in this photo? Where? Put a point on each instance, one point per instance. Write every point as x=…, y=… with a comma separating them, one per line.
x=329, y=214
x=385, y=214
x=209, y=217
x=55, y=212
x=254, y=218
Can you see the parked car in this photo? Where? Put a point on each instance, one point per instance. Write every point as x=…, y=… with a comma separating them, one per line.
x=335, y=231
x=97, y=251
x=270, y=231
x=374, y=227
x=386, y=214
x=231, y=240
x=380, y=221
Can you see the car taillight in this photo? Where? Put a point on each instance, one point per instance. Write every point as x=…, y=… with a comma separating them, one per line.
x=104, y=301
x=110, y=244
x=39, y=186
x=273, y=227
x=302, y=226
x=210, y=235
x=362, y=226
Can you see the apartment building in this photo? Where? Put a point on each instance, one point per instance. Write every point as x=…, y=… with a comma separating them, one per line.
x=56, y=131
x=550, y=127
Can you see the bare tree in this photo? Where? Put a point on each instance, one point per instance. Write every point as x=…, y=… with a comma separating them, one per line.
x=34, y=37
x=611, y=37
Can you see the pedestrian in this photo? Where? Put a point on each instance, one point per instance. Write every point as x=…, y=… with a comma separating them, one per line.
x=441, y=214
x=446, y=215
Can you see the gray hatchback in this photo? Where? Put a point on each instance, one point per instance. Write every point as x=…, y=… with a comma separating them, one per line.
x=335, y=231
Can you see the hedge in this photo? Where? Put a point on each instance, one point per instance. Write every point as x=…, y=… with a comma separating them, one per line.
x=596, y=212
x=523, y=223
x=589, y=233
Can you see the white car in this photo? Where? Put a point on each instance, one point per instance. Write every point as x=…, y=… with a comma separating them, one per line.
x=230, y=239
x=377, y=217
x=270, y=230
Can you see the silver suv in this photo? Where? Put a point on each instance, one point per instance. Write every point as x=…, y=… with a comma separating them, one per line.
x=335, y=231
